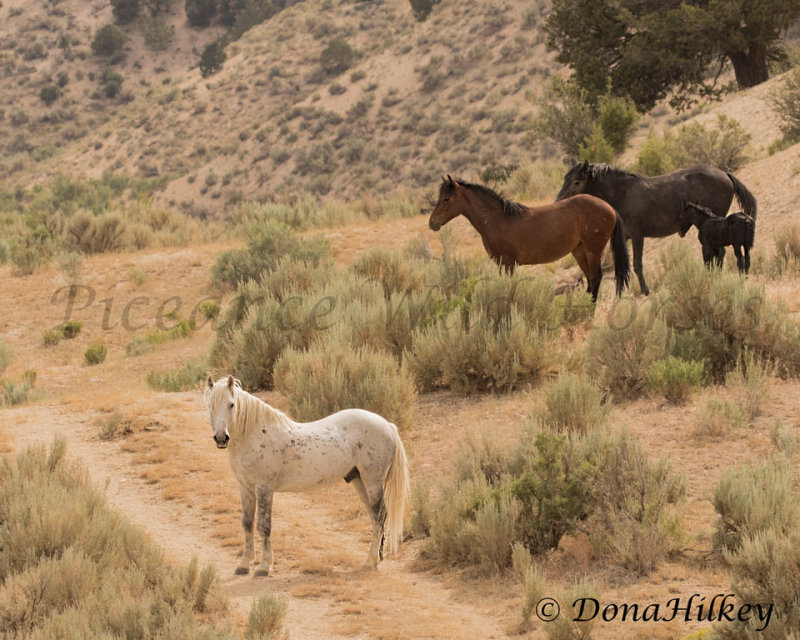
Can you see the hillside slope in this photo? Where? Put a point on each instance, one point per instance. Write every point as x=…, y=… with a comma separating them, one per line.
x=450, y=94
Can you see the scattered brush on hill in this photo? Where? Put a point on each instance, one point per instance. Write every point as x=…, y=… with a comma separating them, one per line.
x=71, y=567
x=75, y=215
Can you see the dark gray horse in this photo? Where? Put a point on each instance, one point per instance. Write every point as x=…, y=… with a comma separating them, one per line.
x=652, y=207
x=715, y=233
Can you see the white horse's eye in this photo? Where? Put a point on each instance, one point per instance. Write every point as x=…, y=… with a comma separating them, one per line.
x=232, y=405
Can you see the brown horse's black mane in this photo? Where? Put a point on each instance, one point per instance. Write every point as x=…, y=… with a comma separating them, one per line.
x=511, y=209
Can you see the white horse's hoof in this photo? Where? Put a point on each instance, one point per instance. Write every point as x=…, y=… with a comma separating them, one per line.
x=262, y=573
x=241, y=571
x=368, y=566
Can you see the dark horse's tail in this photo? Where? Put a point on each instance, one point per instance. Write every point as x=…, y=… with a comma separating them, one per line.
x=619, y=251
x=747, y=200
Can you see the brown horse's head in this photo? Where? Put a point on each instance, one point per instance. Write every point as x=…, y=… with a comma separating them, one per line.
x=447, y=207
x=574, y=181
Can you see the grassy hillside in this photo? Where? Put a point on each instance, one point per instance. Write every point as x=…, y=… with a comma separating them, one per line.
x=450, y=94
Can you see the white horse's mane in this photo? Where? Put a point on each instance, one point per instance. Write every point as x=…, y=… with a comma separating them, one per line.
x=251, y=412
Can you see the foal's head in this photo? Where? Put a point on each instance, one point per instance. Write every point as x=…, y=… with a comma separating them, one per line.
x=694, y=214
x=450, y=203
x=220, y=399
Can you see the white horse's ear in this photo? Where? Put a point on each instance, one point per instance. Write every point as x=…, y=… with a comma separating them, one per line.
x=231, y=382
x=210, y=383
x=237, y=382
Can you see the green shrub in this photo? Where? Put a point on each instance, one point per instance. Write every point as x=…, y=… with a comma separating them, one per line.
x=764, y=571
x=268, y=242
x=785, y=101
x=571, y=403
x=726, y=146
x=95, y=353
x=212, y=58
x=200, y=12
x=6, y=356
x=394, y=273
x=483, y=356
x=72, y=567
x=786, y=259
x=112, y=83
x=337, y=57
x=718, y=417
x=109, y=426
x=51, y=337
x=331, y=375
x=726, y=316
x=125, y=11
x=108, y=42
x=632, y=523
x=49, y=94
x=483, y=332
x=267, y=617
x=533, y=495
x=620, y=352
x=749, y=383
x=753, y=500
x=422, y=8
x=617, y=117
x=565, y=116
x=12, y=394
x=70, y=329
x=675, y=378
x=185, y=379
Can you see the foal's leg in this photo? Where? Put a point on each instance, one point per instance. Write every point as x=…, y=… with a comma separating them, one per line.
x=265, y=528
x=746, y=259
x=708, y=255
x=248, y=516
x=372, y=498
x=737, y=251
x=637, y=242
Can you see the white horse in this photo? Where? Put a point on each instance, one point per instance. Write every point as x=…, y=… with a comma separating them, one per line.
x=269, y=452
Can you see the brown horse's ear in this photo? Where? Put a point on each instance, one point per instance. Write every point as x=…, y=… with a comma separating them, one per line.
x=585, y=165
x=453, y=182
x=231, y=382
x=210, y=383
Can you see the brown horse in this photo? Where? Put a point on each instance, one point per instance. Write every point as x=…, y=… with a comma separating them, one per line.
x=515, y=234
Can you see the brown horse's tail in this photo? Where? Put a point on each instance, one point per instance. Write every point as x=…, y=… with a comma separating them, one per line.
x=747, y=201
x=619, y=251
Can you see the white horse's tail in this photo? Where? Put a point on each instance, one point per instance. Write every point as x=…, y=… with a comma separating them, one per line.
x=395, y=494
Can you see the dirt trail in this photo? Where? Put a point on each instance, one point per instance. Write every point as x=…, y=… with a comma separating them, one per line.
x=329, y=597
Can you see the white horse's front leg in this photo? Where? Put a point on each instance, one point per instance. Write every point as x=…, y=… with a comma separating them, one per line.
x=248, y=518
x=265, y=528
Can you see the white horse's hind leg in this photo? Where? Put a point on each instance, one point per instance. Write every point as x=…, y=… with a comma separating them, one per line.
x=265, y=528
x=248, y=517
x=373, y=501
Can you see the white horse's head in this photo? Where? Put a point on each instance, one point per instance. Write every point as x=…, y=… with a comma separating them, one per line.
x=220, y=399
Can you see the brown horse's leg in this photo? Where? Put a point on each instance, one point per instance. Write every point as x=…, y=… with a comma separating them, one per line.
x=579, y=253
x=594, y=265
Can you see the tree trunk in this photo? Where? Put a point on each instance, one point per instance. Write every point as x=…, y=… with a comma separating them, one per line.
x=750, y=66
